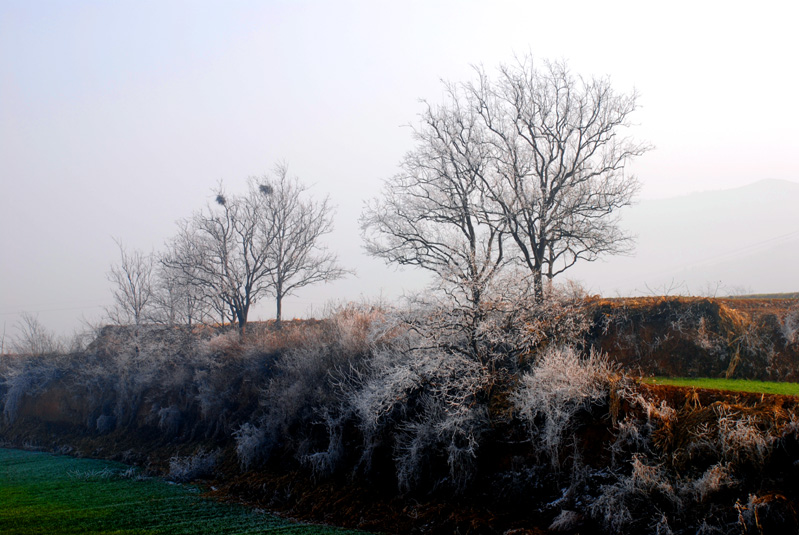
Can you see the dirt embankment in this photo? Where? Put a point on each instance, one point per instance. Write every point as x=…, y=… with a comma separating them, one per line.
x=665, y=455
x=372, y=504
x=700, y=337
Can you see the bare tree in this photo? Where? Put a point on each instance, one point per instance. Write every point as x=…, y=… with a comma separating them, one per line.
x=33, y=338
x=559, y=157
x=434, y=214
x=178, y=301
x=224, y=252
x=530, y=167
x=297, y=258
x=133, y=287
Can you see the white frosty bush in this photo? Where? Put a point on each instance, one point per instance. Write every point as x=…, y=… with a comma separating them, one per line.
x=169, y=419
x=25, y=376
x=646, y=483
x=425, y=402
x=560, y=384
x=305, y=392
x=740, y=439
x=201, y=464
x=249, y=440
x=790, y=325
x=565, y=521
x=713, y=480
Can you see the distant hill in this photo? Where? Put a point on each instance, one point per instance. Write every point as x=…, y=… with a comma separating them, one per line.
x=790, y=295
x=735, y=241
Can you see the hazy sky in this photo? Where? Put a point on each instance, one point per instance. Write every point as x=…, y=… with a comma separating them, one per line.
x=118, y=118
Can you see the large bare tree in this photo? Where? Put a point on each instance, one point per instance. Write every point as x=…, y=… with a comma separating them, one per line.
x=529, y=166
x=434, y=215
x=560, y=157
x=297, y=257
x=223, y=251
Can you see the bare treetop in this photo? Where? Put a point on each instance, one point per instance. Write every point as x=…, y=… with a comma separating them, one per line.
x=133, y=281
x=265, y=242
x=559, y=162
x=297, y=256
x=528, y=167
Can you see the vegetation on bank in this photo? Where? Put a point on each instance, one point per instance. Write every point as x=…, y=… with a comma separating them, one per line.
x=525, y=413
x=733, y=385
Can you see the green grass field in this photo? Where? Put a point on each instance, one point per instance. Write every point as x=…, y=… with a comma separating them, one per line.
x=735, y=385
x=47, y=494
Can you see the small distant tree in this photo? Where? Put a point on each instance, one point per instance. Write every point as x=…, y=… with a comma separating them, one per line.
x=133, y=287
x=178, y=301
x=297, y=257
x=33, y=338
x=244, y=247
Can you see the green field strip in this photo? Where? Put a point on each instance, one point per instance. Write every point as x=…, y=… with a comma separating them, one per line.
x=43, y=493
x=732, y=385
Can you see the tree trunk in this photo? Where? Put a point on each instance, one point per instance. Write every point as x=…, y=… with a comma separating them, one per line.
x=279, y=307
x=538, y=285
x=241, y=319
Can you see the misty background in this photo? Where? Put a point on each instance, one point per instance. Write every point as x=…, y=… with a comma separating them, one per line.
x=117, y=119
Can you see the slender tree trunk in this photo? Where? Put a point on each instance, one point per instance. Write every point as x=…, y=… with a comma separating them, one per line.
x=476, y=318
x=279, y=307
x=279, y=301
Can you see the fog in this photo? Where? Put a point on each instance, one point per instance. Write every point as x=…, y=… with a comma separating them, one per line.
x=117, y=119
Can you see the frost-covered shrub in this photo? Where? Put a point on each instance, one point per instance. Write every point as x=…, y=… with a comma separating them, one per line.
x=402, y=396
x=559, y=386
x=628, y=502
x=740, y=438
x=301, y=403
x=226, y=343
x=790, y=326
x=685, y=466
x=169, y=419
x=327, y=461
x=249, y=439
x=767, y=513
x=196, y=466
x=426, y=404
x=25, y=376
x=715, y=478
x=566, y=520
x=721, y=433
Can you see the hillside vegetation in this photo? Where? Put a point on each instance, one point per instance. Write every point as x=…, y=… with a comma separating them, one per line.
x=400, y=420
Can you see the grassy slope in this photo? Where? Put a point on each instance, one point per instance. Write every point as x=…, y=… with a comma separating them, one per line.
x=735, y=385
x=42, y=493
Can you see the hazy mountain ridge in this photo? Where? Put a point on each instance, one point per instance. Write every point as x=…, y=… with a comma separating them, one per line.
x=741, y=239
